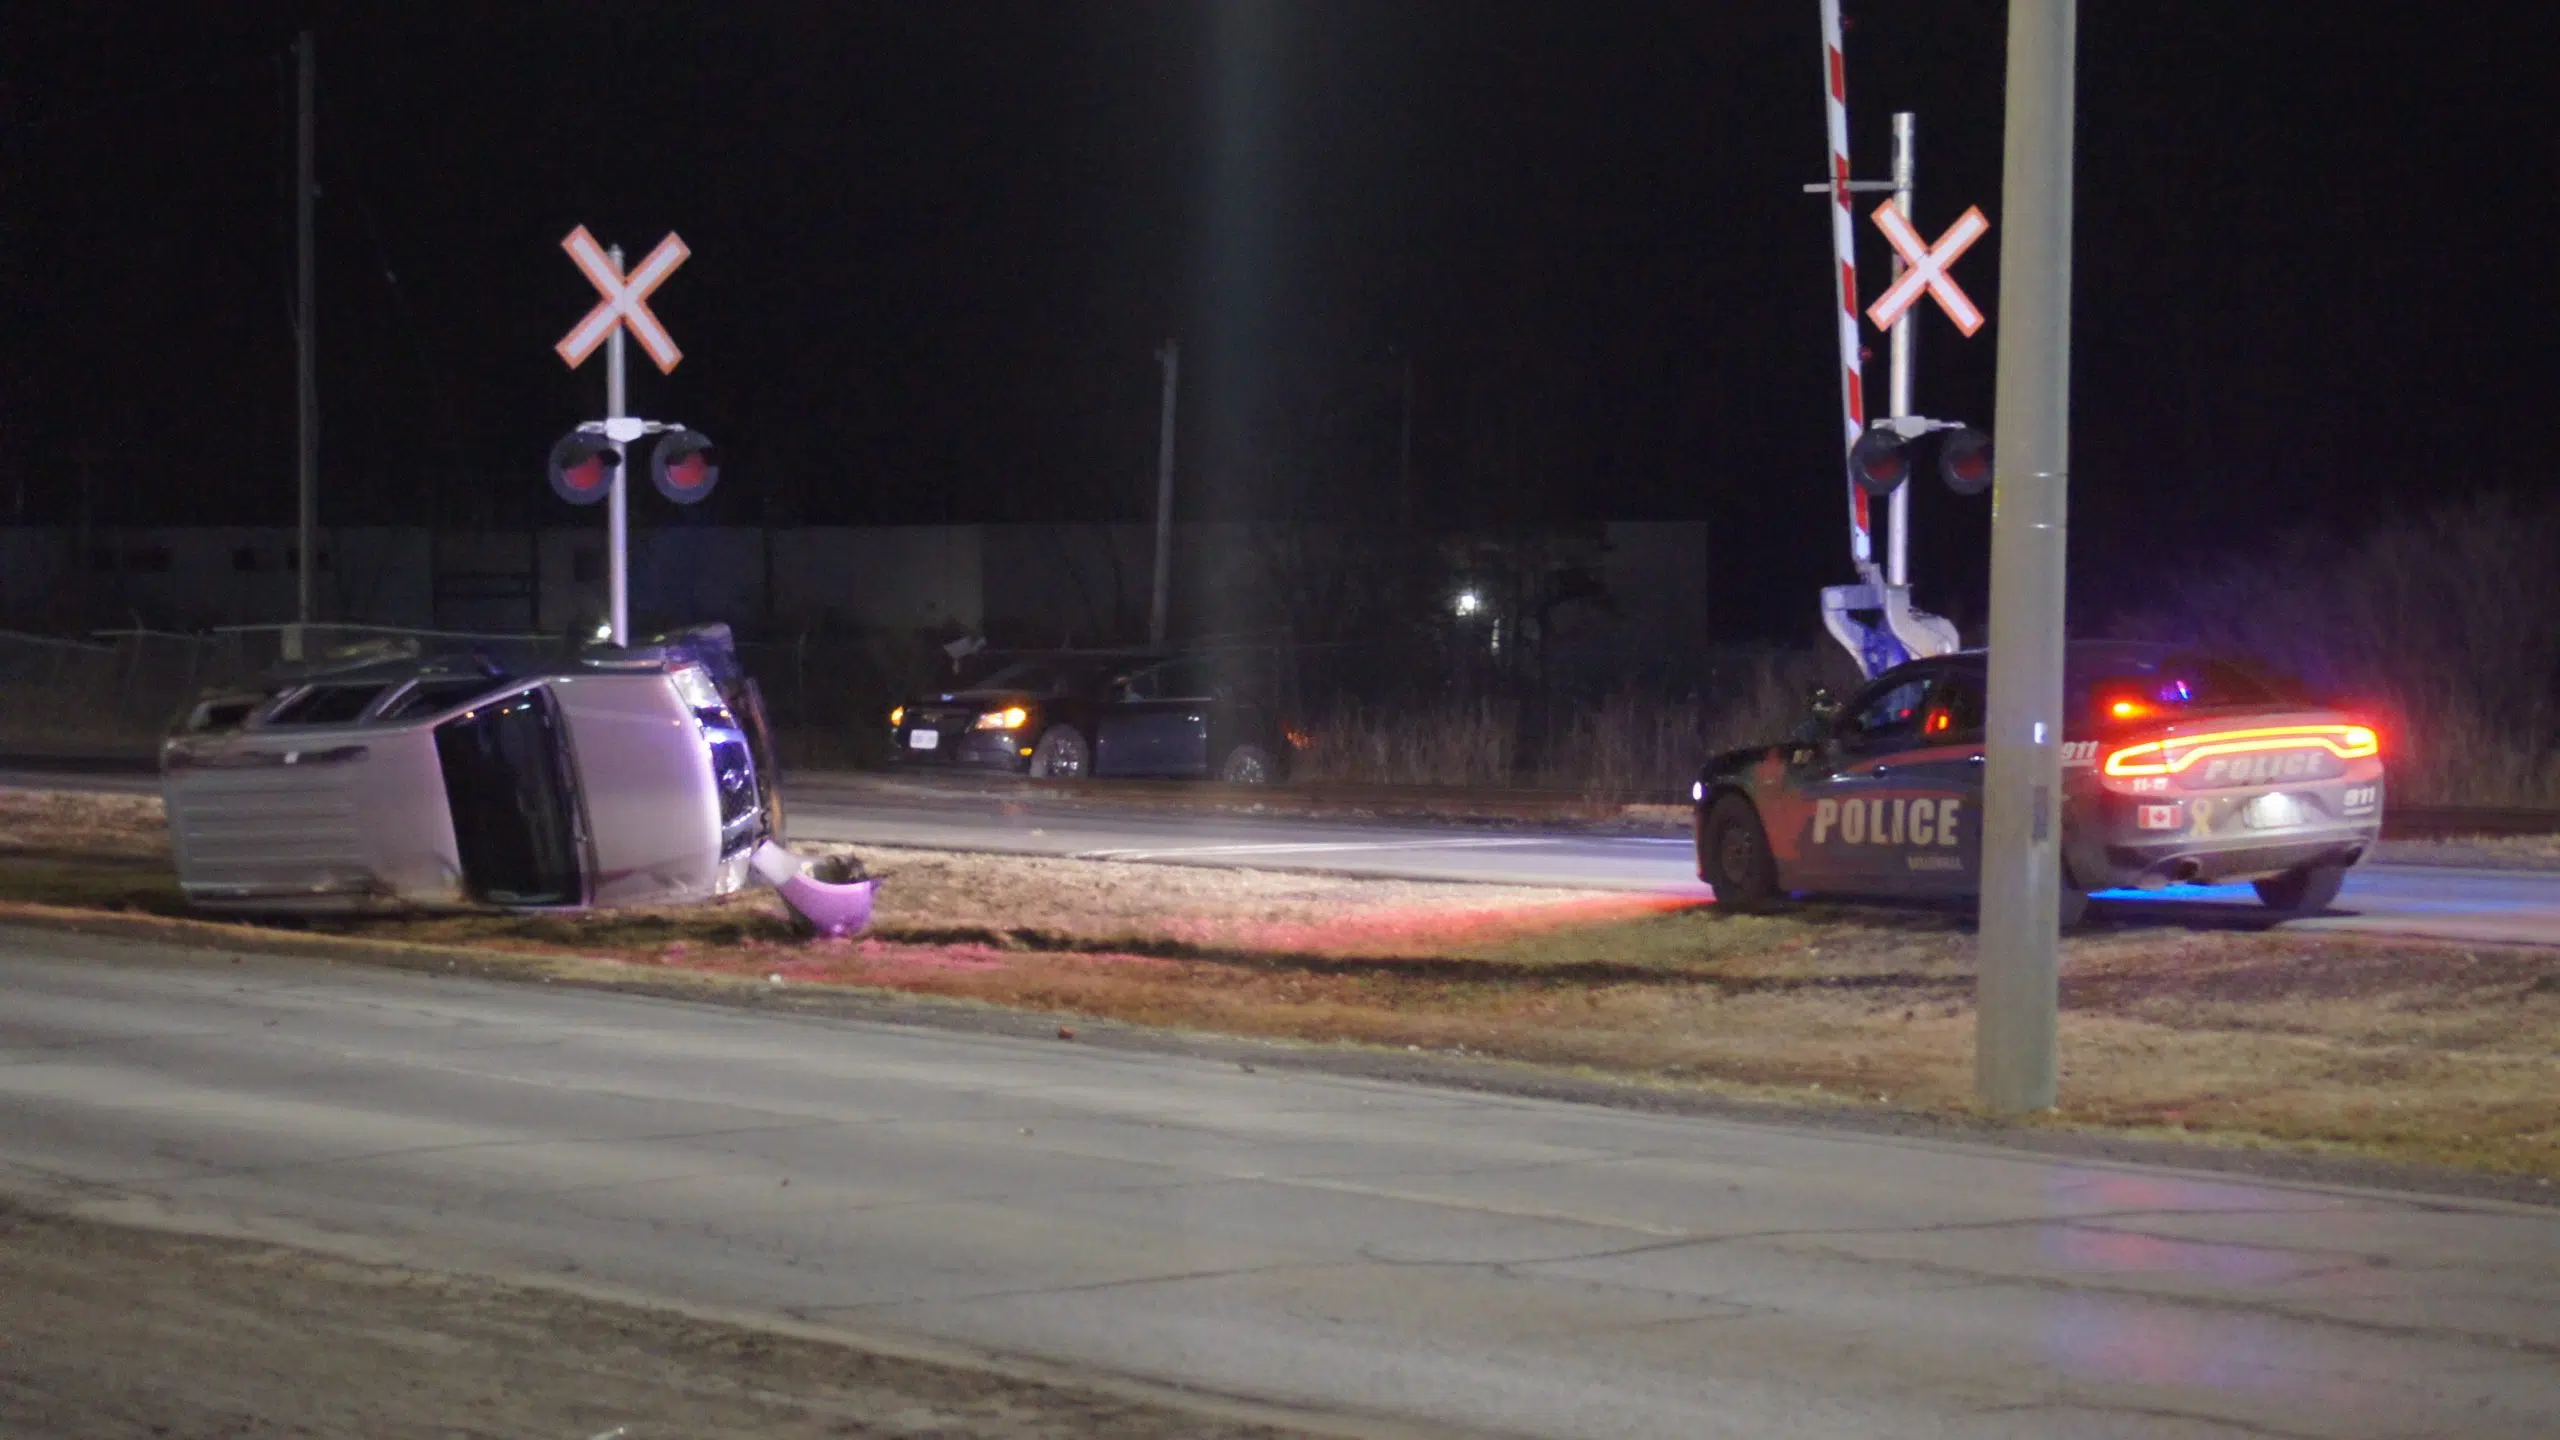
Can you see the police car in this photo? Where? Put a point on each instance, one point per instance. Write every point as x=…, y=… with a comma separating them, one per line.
x=2178, y=768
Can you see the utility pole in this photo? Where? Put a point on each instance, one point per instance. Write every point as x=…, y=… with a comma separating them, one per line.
x=617, y=505
x=2018, y=986
x=1170, y=357
x=1404, y=447
x=306, y=360
x=1905, y=333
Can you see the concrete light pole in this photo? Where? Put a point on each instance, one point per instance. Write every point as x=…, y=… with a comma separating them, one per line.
x=1170, y=357
x=306, y=390
x=2015, y=1051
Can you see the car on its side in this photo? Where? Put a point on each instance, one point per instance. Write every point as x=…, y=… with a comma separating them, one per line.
x=549, y=781
x=1069, y=716
x=2178, y=768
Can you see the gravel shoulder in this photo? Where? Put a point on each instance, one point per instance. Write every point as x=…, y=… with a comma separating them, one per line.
x=111, y=1331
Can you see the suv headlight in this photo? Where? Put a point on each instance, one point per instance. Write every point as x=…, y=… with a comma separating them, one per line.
x=1011, y=717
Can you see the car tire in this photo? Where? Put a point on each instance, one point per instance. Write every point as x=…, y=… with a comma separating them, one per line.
x=1734, y=858
x=1247, y=765
x=1061, y=755
x=2071, y=906
x=2304, y=891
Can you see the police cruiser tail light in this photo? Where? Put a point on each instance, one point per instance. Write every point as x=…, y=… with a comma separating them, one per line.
x=2174, y=755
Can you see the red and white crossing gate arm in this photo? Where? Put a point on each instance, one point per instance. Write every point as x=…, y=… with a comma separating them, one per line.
x=1844, y=259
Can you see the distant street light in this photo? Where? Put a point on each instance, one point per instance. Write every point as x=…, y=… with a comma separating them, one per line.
x=1468, y=602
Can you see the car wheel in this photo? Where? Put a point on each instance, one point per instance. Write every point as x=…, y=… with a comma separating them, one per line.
x=2306, y=891
x=1060, y=755
x=1247, y=765
x=1734, y=858
x=2071, y=906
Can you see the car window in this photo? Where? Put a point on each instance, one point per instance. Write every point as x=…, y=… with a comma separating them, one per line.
x=514, y=817
x=1887, y=715
x=1031, y=675
x=436, y=694
x=1044, y=677
x=326, y=705
x=1953, y=713
x=1186, y=680
x=2131, y=686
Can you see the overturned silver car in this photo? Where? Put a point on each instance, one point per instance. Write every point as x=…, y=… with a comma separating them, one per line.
x=599, y=778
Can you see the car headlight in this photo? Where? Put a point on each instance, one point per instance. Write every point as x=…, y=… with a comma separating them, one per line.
x=897, y=716
x=1011, y=717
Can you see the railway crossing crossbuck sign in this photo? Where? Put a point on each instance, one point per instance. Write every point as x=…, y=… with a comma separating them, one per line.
x=1928, y=266
x=626, y=300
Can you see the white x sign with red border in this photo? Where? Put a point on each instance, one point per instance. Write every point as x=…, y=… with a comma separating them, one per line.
x=1927, y=268
x=626, y=299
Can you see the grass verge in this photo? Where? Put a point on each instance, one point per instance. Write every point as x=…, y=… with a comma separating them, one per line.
x=2406, y=1050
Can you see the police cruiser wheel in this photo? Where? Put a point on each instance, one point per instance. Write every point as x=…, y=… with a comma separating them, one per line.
x=1734, y=853
x=1060, y=755
x=2073, y=907
x=2306, y=891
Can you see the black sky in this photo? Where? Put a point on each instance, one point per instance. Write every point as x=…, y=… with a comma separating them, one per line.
x=936, y=245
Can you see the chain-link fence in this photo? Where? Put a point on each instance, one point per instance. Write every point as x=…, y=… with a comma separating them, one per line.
x=119, y=691
x=1375, y=713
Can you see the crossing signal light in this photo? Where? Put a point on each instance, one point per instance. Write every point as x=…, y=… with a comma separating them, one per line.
x=684, y=466
x=1964, y=460
x=1883, y=458
x=583, y=466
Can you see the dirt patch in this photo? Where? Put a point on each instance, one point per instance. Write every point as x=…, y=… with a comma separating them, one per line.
x=114, y=1332
x=57, y=820
x=2412, y=1050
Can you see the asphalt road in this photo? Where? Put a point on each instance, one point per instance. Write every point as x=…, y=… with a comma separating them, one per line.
x=1371, y=1251
x=2484, y=906
x=2489, y=906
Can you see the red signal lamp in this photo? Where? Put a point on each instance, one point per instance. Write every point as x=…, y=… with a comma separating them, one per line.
x=1883, y=458
x=685, y=466
x=582, y=467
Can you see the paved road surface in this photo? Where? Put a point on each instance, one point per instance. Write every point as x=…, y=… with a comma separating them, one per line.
x=2493, y=906
x=1501, y=1266
x=2483, y=905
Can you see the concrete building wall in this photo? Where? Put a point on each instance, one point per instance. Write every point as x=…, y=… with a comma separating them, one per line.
x=904, y=577
x=1024, y=584
x=197, y=577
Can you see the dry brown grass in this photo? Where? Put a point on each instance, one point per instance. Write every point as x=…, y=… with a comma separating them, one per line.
x=1621, y=746
x=2445, y=625
x=56, y=820
x=2407, y=1049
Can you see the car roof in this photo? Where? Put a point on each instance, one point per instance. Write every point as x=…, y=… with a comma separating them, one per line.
x=2091, y=652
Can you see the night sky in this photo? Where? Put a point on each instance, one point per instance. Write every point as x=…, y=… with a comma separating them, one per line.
x=937, y=244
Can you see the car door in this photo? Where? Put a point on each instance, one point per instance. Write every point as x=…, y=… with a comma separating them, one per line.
x=1187, y=691
x=1120, y=731
x=1852, y=830
x=1151, y=727
x=1935, y=789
